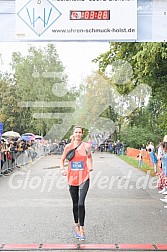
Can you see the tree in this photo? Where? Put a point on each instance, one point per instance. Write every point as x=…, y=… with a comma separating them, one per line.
x=148, y=61
x=135, y=136
x=8, y=103
x=38, y=76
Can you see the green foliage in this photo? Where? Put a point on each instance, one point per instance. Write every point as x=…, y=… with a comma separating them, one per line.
x=136, y=136
x=149, y=64
x=30, y=82
x=32, y=85
x=95, y=102
x=8, y=103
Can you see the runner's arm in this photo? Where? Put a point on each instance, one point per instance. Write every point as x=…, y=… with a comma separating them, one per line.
x=89, y=160
x=62, y=160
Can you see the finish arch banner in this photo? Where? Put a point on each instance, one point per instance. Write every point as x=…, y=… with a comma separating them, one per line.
x=76, y=20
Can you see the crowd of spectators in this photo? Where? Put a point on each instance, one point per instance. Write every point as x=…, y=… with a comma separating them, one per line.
x=116, y=147
x=162, y=181
x=158, y=157
x=15, y=152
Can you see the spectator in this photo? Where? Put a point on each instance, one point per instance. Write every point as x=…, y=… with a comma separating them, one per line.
x=143, y=147
x=147, y=146
x=118, y=147
x=164, y=171
x=165, y=139
x=110, y=147
x=153, y=159
x=140, y=159
x=114, y=147
x=160, y=154
x=106, y=146
x=151, y=146
x=102, y=147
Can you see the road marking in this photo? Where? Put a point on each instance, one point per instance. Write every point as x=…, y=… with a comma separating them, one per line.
x=110, y=247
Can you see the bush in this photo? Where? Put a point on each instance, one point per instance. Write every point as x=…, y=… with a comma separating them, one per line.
x=135, y=136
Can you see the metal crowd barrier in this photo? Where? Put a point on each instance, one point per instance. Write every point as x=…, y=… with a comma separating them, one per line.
x=12, y=159
x=8, y=161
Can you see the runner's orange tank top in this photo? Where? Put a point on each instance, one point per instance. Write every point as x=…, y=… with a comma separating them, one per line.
x=77, y=169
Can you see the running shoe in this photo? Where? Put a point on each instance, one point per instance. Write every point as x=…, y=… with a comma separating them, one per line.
x=164, y=193
x=77, y=236
x=164, y=200
x=82, y=238
x=163, y=190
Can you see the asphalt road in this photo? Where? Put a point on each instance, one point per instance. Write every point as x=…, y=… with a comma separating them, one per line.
x=122, y=205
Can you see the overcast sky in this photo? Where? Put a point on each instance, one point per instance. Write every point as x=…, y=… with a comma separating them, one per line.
x=75, y=56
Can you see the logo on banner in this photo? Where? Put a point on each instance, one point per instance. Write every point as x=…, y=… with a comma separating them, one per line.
x=39, y=17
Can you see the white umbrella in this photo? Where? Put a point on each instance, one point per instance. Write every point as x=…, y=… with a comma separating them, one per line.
x=11, y=134
x=28, y=134
x=38, y=137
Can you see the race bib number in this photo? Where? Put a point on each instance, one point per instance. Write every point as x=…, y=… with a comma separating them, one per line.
x=77, y=165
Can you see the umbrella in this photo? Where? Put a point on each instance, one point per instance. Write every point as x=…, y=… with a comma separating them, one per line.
x=28, y=134
x=38, y=137
x=26, y=138
x=11, y=134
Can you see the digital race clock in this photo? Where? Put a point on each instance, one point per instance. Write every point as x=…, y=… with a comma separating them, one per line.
x=90, y=15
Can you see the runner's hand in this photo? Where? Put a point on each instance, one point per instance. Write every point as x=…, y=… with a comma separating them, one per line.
x=64, y=172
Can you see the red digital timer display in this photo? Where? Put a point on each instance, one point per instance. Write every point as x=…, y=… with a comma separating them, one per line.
x=90, y=15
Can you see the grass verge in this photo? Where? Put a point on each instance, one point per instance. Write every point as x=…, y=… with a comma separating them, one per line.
x=134, y=163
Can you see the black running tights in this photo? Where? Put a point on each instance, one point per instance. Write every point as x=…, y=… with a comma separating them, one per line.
x=78, y=195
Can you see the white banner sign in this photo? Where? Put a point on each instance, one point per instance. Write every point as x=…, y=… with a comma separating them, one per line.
x=69, y=20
